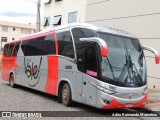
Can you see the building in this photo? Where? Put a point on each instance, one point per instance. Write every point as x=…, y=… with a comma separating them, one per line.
x=60, y=12
x=11, y=31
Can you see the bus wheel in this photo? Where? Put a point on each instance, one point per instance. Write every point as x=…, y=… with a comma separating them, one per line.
x=11, y=81
x=66, y=95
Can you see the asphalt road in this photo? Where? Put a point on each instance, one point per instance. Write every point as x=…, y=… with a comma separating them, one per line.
x=24, y=99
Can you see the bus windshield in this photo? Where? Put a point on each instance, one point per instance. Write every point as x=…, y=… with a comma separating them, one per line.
x=125, y=64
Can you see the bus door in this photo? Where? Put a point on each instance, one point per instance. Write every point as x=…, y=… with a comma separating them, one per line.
x=89, y=92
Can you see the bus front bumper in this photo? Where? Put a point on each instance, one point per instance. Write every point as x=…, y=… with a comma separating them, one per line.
x=115, y=104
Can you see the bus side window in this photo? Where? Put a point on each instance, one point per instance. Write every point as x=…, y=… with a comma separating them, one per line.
x=80, y=59
x=65, y=44
x=5, y=51
x=91, y=61
x=8, y=50
x=16, y=49
x=48, y=44
x=39, y=46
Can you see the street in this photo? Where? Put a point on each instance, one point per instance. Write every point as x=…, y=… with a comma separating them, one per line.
x=24, y=99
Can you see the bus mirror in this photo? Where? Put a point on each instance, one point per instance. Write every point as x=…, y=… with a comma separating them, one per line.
x=101, y=43
x=157, y=56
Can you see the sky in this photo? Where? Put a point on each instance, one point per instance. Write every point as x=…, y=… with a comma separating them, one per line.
x=20, y=11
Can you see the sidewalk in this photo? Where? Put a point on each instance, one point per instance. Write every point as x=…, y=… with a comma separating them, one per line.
x=153, y=102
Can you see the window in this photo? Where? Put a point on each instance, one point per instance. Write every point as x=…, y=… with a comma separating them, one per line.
x=56, y=20
x=39, y=46
x=8, y=50
x=12, y=39
x=91, y=60
x=16, y=49
x=4, y=39
x=65, y=44
x=4, y=29
x=14, y=29
x=72, y=17
x=81, y=33
x=5, y=51
x=81, y=46
x=25, y=31
x=46, y=21
x=87, y=59
x=125, y=64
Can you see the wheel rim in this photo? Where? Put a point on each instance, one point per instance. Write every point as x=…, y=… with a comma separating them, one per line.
x=65, y=94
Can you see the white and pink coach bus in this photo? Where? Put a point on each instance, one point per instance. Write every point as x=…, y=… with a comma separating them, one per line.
x=100, y=67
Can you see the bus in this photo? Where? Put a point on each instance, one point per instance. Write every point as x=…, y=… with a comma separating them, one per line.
x=79, y=62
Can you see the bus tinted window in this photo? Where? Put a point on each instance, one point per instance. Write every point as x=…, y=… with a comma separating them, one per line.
x=5, y=51
x=16, y=49
x=39, y=46
x=91, y=60
x=8, y=50
x=65, y=44
x=81, y=33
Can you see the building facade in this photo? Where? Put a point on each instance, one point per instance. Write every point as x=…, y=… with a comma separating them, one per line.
x=11, y=31
x=140, y=17
x=60, y=12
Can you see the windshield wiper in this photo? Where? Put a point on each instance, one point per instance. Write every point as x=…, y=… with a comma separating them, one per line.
x=127, y=67
x=124, y=70
x=132, y=64
x=110, y=67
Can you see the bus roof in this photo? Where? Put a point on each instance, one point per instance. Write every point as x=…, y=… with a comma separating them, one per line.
x=83, y=25
x=98, y=28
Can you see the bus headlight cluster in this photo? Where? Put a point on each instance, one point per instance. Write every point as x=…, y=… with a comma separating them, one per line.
x=105, y=90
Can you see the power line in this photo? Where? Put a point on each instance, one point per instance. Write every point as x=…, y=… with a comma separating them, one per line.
x=31, y=1
x=148, y=38
x=97, y=2
x=126, y=17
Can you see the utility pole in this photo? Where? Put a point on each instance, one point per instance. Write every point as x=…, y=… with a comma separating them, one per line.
x=38, y=21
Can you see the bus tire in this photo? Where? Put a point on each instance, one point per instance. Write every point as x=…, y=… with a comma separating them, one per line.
x=11, y=81
x=66, y=95
x=60, y=93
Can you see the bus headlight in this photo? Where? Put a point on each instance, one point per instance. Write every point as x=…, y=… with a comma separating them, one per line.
x=105, y=90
